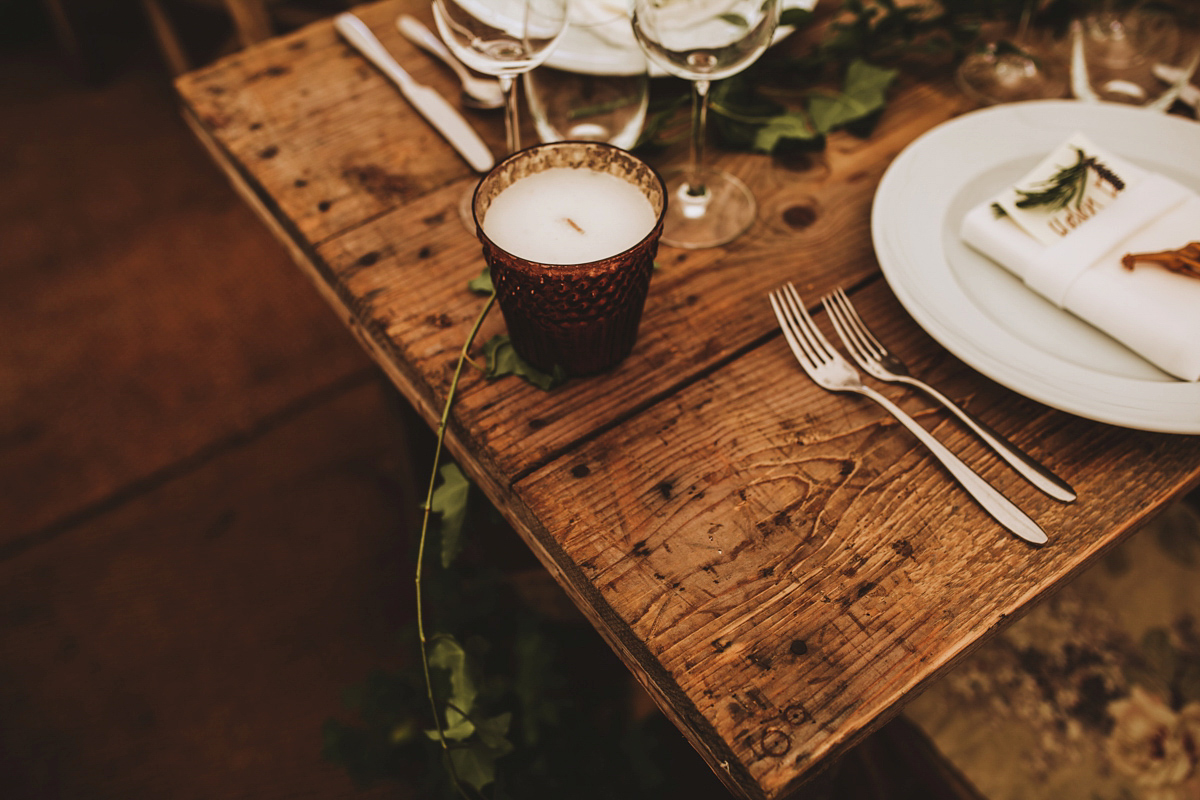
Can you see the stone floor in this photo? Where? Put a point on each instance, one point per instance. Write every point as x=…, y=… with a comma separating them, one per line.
x=207, y=505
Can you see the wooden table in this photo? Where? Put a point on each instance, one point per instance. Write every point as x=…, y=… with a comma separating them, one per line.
x=781, y=567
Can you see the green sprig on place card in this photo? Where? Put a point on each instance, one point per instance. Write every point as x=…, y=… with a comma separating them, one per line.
x=1069, y=185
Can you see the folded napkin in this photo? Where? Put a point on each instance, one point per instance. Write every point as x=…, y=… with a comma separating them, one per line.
x=607, y=20
x=1154, y=312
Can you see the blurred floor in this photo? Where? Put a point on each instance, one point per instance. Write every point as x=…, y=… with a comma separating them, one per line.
x=206, y=503
x=204, y=536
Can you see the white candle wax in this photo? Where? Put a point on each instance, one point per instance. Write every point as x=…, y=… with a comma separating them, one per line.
x=568, y=216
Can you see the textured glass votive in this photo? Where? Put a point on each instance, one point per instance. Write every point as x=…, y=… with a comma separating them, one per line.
x=582, y=317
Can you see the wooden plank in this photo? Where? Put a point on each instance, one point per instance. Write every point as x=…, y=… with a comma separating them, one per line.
x=781, y=566
x=396, y=259
x=328, y=137
x=404, y=274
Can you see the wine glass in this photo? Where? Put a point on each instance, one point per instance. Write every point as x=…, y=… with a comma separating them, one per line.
x=586, y=98
x=703, y=41
x=1141, y=57
x=1007, y=70
x=504, y=38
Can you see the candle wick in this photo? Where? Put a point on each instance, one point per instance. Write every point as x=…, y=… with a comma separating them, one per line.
x=573, y=224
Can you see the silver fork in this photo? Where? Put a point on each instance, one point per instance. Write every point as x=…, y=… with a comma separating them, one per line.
x=878, y=362
x=830, y=371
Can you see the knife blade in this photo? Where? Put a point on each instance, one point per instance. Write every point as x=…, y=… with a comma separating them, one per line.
x=435, y=108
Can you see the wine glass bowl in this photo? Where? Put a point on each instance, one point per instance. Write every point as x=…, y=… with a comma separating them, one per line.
x=703, y=41
x=601, y=105
x=1004, y=71
x=1140, y=57
x=1013, y=63
x=504, y=38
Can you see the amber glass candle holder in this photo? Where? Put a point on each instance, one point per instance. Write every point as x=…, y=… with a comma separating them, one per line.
x=582, y=317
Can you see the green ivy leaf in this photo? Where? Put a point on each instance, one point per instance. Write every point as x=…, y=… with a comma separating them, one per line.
x=446, y=653
x=795, y=17
x=482, y=283
x=863, y=94
x=493, y=732
x=534, y=665
x=450, y=500
x=502, y=359
x=475, y=765
x=792, y=125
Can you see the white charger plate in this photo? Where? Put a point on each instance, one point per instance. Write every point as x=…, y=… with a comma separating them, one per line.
x=599, y=40
x=982, y=313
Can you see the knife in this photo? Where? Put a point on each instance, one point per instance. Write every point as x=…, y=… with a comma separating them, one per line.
x=432, y=105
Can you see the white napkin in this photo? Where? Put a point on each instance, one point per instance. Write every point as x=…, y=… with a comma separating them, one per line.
x=1154, y=312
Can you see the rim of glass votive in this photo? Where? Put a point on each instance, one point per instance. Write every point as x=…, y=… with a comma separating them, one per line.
x=568, y=144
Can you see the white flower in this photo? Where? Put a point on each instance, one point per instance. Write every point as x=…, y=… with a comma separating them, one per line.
x=1155, y=746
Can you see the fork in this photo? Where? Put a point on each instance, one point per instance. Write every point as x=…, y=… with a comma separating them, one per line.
x=878, y=362
x=831, y=371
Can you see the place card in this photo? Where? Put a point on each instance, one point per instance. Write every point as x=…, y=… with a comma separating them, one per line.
x=1074, y=183
x=1079, y=254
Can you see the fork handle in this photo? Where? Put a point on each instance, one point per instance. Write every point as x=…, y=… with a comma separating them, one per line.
x=1034, y=472
x=996, y=504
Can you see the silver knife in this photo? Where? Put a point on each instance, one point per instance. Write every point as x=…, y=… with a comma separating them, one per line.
x=432, y=105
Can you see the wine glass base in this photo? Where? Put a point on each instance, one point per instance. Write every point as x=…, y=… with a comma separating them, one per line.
x=724, y=211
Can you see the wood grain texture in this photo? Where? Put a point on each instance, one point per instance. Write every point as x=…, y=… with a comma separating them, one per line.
x=325, y=134
x=778, y=565
x=784, y=565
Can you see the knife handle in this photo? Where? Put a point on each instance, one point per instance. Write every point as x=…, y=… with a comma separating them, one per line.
x=444, y=117
x=359, y=35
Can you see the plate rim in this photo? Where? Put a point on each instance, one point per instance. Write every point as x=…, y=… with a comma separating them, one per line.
x=1125, y=402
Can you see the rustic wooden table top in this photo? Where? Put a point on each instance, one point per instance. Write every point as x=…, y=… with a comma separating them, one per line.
x=781, y=567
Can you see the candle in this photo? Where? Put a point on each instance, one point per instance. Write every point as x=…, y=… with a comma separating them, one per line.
x=570, y=231
x=567, y=215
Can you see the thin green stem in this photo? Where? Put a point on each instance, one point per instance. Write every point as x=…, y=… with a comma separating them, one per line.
x=437, y=453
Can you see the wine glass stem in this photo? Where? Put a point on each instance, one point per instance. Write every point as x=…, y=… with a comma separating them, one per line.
x=512, y=130
x=699, y=121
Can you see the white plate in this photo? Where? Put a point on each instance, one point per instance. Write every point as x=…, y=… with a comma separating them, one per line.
x=599, y=40
x=982, y=313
